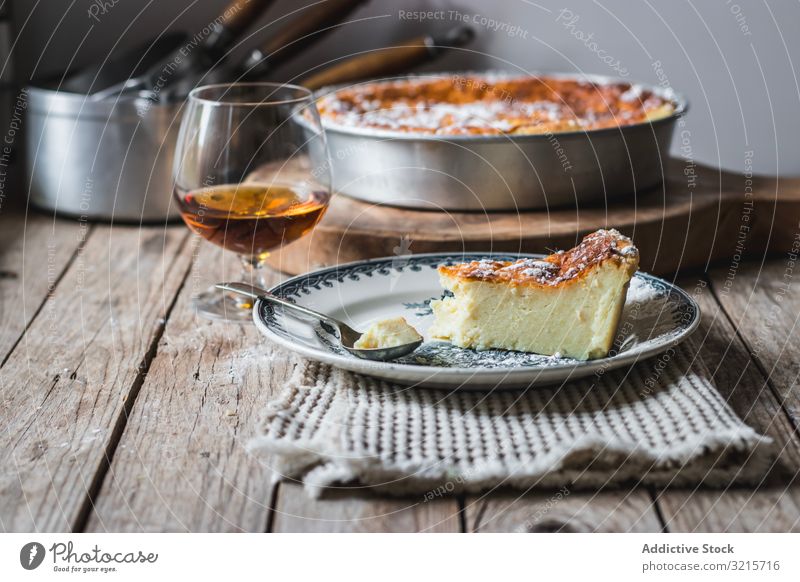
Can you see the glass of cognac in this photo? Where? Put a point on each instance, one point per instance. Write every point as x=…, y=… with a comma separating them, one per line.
x=251, y=174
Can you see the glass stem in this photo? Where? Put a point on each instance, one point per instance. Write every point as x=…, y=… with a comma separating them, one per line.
x=253, y=271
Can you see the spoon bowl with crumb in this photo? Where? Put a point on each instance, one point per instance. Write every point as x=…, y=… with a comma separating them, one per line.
x=385, y=340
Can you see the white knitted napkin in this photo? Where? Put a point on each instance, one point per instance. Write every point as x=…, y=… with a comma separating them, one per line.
x=661, y=422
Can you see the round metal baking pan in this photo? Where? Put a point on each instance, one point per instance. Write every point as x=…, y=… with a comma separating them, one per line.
x=502, y=172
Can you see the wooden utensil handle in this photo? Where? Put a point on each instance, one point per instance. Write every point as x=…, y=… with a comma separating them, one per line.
x=237, y=16
x=376, y=63
x=307, y=28
x=390, y=60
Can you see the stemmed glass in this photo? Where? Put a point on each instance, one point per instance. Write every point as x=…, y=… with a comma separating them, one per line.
x=251, y=174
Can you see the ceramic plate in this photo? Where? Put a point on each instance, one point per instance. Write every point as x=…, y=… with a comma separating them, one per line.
x=657, y=316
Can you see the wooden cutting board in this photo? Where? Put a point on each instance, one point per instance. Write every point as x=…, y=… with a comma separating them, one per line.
x=699, y=215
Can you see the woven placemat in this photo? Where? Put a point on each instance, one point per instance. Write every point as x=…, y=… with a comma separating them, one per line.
x=660, y=422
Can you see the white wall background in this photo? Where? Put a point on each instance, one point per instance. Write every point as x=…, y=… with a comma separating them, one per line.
x=735, y=60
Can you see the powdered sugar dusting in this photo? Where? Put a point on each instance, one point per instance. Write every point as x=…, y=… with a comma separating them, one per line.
x=559, y=267
x=491, y=105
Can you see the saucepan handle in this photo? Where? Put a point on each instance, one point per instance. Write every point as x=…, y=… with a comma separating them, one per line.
x=234, y=19
x=308, y=27
x=390, y=60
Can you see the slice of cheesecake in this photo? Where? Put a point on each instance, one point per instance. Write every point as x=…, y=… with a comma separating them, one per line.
x=568, y=303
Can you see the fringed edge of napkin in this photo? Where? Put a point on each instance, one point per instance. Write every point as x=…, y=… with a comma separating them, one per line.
x=741, y=455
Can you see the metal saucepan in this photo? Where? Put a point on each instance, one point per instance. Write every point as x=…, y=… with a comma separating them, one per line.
x=112, y=159
x=107, y=154
x=502, y=172
x=101, y=160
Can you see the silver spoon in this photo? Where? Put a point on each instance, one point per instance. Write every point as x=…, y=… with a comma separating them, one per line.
x=346, y=335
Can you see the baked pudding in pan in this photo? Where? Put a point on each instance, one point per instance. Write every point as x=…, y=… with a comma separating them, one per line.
x=490, y=141
x=492, y=105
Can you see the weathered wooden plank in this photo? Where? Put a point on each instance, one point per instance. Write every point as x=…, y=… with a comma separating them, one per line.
x=764, y=304
x=359, y=511
x=564, y=511
x=747, y=390
x=34, y=252
x=738, y=378
x=734, y=510
x=182, y=463
x=64, y=390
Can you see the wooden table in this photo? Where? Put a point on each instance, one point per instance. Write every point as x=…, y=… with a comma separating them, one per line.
x=120, y=411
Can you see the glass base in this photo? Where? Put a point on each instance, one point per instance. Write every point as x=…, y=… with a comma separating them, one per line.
x=220, y=305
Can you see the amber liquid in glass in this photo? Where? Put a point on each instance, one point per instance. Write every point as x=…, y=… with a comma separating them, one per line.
x=252, y=219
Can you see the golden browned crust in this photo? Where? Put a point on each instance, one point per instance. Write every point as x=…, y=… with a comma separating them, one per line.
x=483, y=105
x=556, y=270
